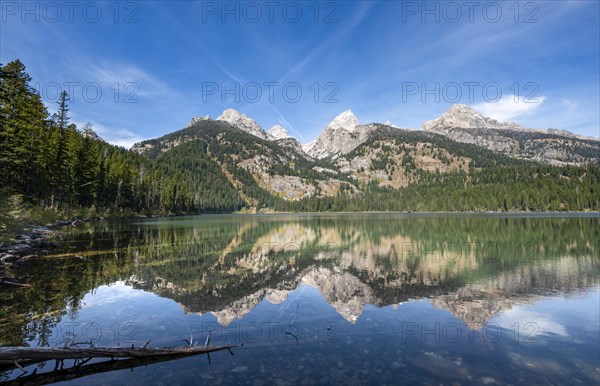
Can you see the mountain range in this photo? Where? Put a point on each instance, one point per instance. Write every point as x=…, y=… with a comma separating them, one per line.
x=460, y=123
x=349, y=157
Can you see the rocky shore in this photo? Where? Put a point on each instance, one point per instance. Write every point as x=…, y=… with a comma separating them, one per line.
x=28, y=245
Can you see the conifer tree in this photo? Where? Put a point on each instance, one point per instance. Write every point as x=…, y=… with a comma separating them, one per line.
x=22, y=126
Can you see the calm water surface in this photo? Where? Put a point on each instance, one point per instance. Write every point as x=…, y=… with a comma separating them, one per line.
x=331, y=299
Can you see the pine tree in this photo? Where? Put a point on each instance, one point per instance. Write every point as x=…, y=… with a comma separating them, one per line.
x=59, y=161
x=82, y=168
x=22, y=127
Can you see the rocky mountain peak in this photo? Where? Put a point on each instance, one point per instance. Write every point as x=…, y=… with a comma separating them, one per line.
x=462, y=123
x=462, y=109
x=195, y=120
x=277, y=132
x=242, y=122
x=346, y=120
x=464, y=117
x=343, y=134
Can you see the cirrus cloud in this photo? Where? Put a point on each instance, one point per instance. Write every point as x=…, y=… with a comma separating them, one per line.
x=509, y=107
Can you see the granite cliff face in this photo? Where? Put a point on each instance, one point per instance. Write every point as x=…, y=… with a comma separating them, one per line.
x=463, y=124
x=196, y=120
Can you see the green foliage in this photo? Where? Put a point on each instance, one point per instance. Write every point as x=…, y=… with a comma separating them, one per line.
x=23, y=130
x=210, y=190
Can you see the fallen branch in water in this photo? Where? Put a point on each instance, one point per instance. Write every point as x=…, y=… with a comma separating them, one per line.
x=13, y=282
x=9, y=355
x=82, y=370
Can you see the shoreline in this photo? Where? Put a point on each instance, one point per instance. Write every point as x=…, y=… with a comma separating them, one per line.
x=416, y=212
x=32, y=244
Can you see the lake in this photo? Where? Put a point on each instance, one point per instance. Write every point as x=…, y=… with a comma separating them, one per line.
x=324, y=299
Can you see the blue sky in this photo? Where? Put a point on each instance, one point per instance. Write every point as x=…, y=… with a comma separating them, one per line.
x=537, y=63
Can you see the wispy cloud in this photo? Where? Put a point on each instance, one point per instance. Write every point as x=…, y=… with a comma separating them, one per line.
x=368, y=54
x=508, y=107
x=110, y=73
x=114, y=135
x=349, y=26
x=570, y=105
x=284, y=122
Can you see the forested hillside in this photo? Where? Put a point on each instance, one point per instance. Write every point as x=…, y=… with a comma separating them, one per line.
x=262, y=171
x=394, y=170
x=53, y=164
x=405, y=170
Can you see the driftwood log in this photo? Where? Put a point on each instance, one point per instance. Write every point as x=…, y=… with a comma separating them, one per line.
x=138, y=357
x=26, y=355
x=11, y=354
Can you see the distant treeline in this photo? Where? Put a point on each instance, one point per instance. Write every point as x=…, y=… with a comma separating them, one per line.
x=524, y=188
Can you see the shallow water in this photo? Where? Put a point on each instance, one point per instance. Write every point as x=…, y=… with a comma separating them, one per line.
x=320, y=299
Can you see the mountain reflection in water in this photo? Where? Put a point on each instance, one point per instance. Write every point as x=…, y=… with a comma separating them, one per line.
x=481, y=269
